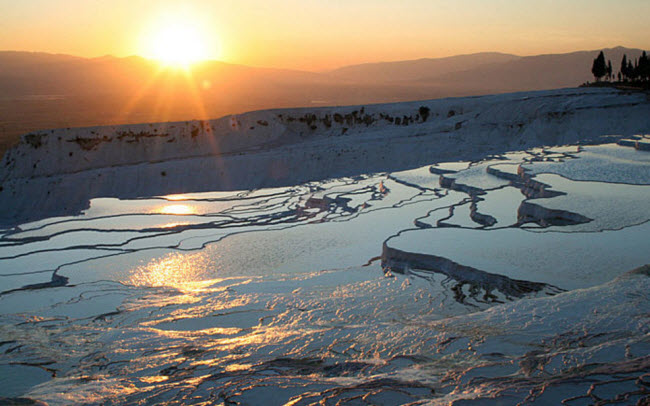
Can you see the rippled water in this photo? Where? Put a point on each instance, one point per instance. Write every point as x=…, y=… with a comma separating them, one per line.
x=498, y=282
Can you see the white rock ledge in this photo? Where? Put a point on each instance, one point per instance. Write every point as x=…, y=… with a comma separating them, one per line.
x=56, y=172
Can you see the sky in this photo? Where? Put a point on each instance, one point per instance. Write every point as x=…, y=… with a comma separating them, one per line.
x=324, y=34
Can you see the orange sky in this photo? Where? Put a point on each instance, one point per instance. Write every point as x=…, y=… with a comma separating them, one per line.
x=322, y=34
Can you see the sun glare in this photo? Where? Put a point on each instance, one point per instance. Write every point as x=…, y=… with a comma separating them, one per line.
x=176, y=209
x=178, y=45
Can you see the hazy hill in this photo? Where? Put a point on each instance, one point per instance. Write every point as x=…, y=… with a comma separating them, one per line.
x=42, y=91
x=417, y=69
x=531, y=72
x=26, y=73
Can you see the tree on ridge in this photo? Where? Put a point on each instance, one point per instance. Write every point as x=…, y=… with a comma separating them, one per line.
x=609, y=70
x=623, y=71
x=599, y=68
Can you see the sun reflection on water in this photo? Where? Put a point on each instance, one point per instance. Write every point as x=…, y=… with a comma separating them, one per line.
x=176, y=209
x=153, y=379
x=182, y=271
x=176, y=197
x=238, y=367
x=172, y=225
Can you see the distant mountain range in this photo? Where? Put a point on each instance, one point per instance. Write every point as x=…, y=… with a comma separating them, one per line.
x=493, y=72
x=40, y=90
x=418, y=69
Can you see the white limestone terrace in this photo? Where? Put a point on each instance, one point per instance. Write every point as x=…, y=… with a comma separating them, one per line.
x=290, y=146
x=425, y=286
x=549, y=117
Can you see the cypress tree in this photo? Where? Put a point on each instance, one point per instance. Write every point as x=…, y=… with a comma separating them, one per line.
x=630, y=70
x=623, y=70
x=599, y=68
x=609, y=70
x=644, y=67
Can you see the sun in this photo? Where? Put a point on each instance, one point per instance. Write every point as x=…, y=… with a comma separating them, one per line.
x=177, y=45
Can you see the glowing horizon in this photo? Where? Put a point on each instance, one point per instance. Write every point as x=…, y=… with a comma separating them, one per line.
x=316, y=35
